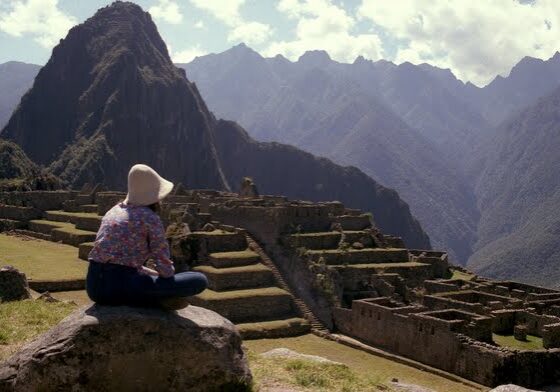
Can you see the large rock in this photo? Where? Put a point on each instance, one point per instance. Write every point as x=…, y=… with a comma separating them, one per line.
x=101, y=348
x=13, y=285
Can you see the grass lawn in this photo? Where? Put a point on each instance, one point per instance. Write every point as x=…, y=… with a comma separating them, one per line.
x=307, y=375
x=366, y=367
x=80, y=297
x=532, y=343
x=462, y=275
x=20, y=321
x=41, y=260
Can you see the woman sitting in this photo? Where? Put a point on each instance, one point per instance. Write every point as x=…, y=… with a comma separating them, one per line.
x=130, y=234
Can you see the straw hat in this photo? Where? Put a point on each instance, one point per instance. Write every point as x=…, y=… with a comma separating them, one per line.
x=145, y=186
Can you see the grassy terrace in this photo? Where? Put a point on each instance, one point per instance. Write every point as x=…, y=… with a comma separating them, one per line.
x=41, y=260
x=210, y=295
x=462, y=275
x=364, y=371
x=241, y=254
x=532, y=343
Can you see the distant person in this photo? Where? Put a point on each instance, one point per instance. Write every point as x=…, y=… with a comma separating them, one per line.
x=130, y=234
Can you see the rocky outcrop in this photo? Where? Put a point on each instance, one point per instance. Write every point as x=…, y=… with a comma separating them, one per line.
x=132, y=349
x=13, y=285
x=110, y=97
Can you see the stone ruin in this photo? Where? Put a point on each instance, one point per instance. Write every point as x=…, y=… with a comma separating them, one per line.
x=280, y=267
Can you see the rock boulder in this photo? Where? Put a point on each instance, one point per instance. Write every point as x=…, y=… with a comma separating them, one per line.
x=13, y=285
x=100, y=348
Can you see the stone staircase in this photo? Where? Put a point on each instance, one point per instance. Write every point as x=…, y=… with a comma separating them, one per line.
x=245, y=290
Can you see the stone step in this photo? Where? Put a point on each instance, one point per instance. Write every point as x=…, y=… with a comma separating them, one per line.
x=45, y=226
x=34, y=234
x=328, y=239
x=19, y=213
x=274, y=329
x=233, y=259
x=245, y=277
x=83, y=250
x=72, y=236
x=220, y=240
x=92, y=208
x=62, y=231
x=353, y=222
x=360, y=256
x=11, y=224
x=244, y=306
x=83, y=220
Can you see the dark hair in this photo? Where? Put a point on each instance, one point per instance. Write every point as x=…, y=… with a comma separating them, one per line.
x=155, y=207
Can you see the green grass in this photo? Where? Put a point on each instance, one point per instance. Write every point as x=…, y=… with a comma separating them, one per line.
x=80, y=297
x=41, y=260
x=207, y=269
x=240, y=254
x=75, y=214
x=532, y=343
x=410, y=264
x=211, y=295
x=20, y=321
x=462, y=275
x=308, y=375
x=363, y=365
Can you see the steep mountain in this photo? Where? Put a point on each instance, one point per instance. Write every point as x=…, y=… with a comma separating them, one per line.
x=519, y=198
x=15, y=79
x=528, y=80
x=109, y=97
x=338, y=111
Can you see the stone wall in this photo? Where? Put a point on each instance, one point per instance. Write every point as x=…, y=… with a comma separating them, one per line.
x=452, y=340
x=42, y=200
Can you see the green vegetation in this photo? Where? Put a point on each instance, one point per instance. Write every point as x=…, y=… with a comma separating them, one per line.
x=41, y=260
x=210, y=295
x=80, y=297
x=308, y=375
x=462, y=275
x=20, y=321
x=366, y=368
x=532, y=343
x=241, y=254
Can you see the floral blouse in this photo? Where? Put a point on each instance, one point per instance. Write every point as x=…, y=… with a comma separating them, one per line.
x=129, y=235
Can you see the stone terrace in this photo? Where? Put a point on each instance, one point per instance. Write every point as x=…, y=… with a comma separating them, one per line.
x=279, y=267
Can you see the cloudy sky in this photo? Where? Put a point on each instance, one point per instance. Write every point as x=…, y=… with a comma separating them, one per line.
x=476, y=39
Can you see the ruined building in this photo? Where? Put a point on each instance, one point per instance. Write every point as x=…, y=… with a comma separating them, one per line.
x=280, y=267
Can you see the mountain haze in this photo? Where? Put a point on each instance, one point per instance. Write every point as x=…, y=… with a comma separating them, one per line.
x=341, y=111
x=110, y=97
x=15, y=79
x=519, y=198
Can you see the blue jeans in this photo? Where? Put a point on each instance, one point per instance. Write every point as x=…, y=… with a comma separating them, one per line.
x=114, y=284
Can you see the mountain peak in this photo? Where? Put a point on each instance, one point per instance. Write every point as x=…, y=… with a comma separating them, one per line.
x=315, y=58
x=110, y=97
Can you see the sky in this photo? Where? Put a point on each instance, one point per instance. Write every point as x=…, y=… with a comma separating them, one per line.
x=476, y=39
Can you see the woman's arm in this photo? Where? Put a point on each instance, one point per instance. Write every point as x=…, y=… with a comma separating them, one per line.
x=159, y=248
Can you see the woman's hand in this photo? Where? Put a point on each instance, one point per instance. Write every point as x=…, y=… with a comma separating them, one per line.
x=149, y=271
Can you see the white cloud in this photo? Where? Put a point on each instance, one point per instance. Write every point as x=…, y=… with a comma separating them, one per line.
x=226, y=11
x=187, y=55
x=199, y=24
x=40, y=19
x=166, y=11
x=252, y=33
x=476, y=41
x=324, y=25
x=241, y=30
